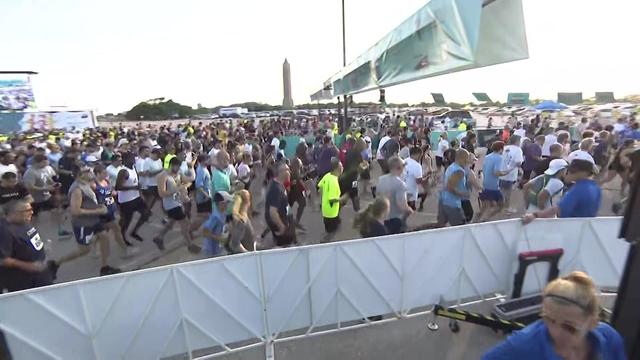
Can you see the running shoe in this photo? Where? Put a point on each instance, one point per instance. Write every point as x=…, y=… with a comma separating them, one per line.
x=137, y=237
x=159, y=243
x=53, y=268
x=194, y=249
x=108, y=270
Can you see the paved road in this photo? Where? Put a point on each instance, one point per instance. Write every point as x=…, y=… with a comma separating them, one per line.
x=176, y=252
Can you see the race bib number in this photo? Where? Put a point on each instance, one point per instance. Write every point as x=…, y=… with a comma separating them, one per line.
x=37, y=243
x=354, y=184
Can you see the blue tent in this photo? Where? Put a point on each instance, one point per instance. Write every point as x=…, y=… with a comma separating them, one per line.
x=550, y=105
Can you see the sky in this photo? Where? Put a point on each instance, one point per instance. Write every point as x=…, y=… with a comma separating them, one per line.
x=110, y=55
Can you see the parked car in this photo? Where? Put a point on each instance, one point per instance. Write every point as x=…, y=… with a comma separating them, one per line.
x=456, y=115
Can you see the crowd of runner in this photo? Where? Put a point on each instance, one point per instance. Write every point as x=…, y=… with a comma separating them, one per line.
x=202, y=179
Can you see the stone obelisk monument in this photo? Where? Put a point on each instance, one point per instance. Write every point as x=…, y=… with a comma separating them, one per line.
x=287, y=101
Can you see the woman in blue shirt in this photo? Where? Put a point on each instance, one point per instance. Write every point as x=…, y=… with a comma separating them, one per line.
x=569, y=328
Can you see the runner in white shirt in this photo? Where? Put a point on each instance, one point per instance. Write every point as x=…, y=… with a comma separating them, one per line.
x=114, y=168
x=443, y=145
x=520, y=131
x=583, y=153
x=383, y=141
x=153, y=167
x=142, y=173
x=549, y=140
x=512, y=159
x=275, y=142
x=413, y=176
x=128, y=189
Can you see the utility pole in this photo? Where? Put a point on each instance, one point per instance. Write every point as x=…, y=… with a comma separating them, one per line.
x=344, y=64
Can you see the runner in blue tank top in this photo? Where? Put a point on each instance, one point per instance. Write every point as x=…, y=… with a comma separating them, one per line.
x=104, y=195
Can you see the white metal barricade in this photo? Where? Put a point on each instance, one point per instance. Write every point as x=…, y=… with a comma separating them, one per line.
x=224, y=304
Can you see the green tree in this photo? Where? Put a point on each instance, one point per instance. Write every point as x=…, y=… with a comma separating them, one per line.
x=157, y=109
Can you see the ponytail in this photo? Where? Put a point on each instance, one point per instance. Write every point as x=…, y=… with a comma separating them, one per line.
x=361, y=220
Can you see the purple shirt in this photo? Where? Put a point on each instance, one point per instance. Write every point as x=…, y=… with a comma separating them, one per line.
x=531, y=152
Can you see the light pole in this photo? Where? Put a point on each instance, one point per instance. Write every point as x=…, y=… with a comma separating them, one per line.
x=344, y=64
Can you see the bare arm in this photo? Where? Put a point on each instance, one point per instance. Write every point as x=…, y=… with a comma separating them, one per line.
x=207, y=233
x=275, y=217
x=28, y=266
x=75, y=205
x=454, y=179
x=546, y=213
x=162, y=187
x=543, y=197
x=123, y=176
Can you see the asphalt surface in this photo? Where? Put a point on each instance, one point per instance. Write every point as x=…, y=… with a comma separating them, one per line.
x=175, y=252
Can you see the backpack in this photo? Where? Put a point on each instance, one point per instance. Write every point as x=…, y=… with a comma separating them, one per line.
x=538, y=184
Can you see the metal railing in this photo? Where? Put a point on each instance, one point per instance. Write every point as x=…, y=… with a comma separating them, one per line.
x=212, y=307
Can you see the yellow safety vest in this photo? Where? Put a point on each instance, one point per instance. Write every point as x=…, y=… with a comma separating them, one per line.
x=167, y=160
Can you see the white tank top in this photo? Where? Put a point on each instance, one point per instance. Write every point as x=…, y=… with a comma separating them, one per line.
x=129, y=195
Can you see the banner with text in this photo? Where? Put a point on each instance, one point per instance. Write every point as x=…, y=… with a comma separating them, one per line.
x=44, y=121
x=16, y=92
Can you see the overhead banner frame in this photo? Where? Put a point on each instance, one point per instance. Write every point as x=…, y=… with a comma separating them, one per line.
x=570, y=98
x=482, y=97
x=518, y=99
x=444, y=36
x=438, y=98
x=605, y=97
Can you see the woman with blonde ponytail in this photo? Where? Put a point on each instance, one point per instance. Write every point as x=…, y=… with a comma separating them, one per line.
x=569, y=328
x=370, y=222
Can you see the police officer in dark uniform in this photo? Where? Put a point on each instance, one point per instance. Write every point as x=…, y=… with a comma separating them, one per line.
x=22, y=252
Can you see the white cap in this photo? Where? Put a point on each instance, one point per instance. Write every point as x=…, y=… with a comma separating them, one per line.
x=91, y=158
x=555, y=166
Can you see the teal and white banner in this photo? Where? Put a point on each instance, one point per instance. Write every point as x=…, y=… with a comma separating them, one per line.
x=44, y=121
x=16, y=92
x=442, y=37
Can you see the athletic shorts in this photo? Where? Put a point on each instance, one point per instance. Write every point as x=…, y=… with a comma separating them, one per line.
x=128, y=208
x=43, y=206
x=151, y=191
x=296, y=193
x=506, y=185
x=204, y=207
x=394, y=226
x=331, y=224
x=451, y=215
x=491, y=195
x=85, y=234
x=349, y=187
x=177, y=214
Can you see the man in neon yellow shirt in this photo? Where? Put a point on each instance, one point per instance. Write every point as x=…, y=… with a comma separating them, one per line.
x=330, y=189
